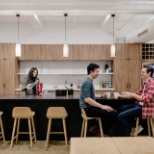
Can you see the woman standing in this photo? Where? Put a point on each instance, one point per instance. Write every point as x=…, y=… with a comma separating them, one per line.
x=31, y=82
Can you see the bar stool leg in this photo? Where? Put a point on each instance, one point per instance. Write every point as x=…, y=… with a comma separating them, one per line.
x=65, y=132
x=48, y=133
x=33, y=128
x=17, y=134
x=1, y=123
x=152, y=126
x=100, y=126
x=82, y=129
x=85, y=128
x=148, y=124
x=14, y=127
x=30, y=133
x=137, y=123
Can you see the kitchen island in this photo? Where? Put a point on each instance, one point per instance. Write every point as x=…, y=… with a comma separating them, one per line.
x=40, y=104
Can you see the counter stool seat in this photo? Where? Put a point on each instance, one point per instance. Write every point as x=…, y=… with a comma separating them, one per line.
x=56, y=113
x=23, y=113
x=85, y=123
x=1, y=128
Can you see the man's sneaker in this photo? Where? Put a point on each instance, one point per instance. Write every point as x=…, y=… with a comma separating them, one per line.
x=140, y=128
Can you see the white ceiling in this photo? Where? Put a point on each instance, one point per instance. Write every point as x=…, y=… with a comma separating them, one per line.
x=132, y=16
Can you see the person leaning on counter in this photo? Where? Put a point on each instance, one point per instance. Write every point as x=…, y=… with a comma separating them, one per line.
x=31, y=82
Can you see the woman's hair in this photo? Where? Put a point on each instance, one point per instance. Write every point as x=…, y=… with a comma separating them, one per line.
x=30, y=75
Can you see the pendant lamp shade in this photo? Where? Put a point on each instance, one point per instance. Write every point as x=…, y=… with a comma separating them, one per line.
x=18, y=45
x=18, y=50
x=65, y=50
x=65, y=47
x=113, y=47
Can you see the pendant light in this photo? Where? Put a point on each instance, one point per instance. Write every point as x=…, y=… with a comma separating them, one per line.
x=65, y=47
x=113, y=48
x=18, y=45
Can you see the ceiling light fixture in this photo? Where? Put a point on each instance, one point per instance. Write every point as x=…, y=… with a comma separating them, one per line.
x=18, y=45
x=113, y=48
x=65, y=47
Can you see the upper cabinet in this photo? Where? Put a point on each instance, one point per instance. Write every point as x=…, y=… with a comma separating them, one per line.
x=55, y=52
x=7, y=51
x=30, y=51
x=129, y=51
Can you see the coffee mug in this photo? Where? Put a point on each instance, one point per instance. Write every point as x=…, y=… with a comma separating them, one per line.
x=116, y=94
x=108, y=94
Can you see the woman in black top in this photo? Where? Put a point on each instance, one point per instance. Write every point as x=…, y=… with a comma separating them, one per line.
x=31, y=82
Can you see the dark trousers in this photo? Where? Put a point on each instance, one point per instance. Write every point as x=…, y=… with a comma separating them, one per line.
x=107, y=118
x=127, y=115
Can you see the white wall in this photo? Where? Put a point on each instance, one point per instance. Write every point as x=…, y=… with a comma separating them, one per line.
x=53, y=33
x=50, y=81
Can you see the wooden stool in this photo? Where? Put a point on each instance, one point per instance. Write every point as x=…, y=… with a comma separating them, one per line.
x=1, y=127
x=23, y=113
x=149, y=123
x=85, y=123
x=56, y=113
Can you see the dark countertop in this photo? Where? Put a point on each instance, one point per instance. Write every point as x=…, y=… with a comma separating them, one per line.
x=40, y=104
x=50, y=97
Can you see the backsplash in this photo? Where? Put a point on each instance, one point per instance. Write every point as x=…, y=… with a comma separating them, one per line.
x=53, y=74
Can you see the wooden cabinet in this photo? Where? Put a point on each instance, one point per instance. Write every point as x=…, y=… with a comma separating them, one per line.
x=127, y=67
x=128, y=51
x=30, y=51
x=7, y=51
x=8, y=69
x=51, y=52
x=127, y=75
x=7, y=79
x=55, y=52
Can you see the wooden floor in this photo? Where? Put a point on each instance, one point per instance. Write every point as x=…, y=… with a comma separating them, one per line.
x=55, y=147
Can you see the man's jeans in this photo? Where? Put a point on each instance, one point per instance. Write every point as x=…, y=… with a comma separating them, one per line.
x=127, y=115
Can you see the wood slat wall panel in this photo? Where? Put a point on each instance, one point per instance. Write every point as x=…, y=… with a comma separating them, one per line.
x=7, y=68
x=1, y=51
x=1, y=77
x=76, y=52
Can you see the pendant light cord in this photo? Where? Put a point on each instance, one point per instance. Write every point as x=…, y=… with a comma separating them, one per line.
x=113, y=15
x=65, y=15
x=18, y=15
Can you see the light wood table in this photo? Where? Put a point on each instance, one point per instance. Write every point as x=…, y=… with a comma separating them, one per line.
x=93, y=146
x=115, y=145
x=134, y=145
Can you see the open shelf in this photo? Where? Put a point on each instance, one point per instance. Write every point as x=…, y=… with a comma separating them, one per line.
x=147, y=51
x=64, y=73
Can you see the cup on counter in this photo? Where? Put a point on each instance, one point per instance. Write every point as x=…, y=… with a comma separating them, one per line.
x=116, y=94
x=108, y=94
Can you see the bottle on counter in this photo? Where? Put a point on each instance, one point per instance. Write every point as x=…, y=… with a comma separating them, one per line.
x=100, y=84
x=71, y=91
x=66, y=85
x=110, y=84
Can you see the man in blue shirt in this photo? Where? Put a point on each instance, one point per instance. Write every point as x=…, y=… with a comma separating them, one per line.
x=88, y=103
